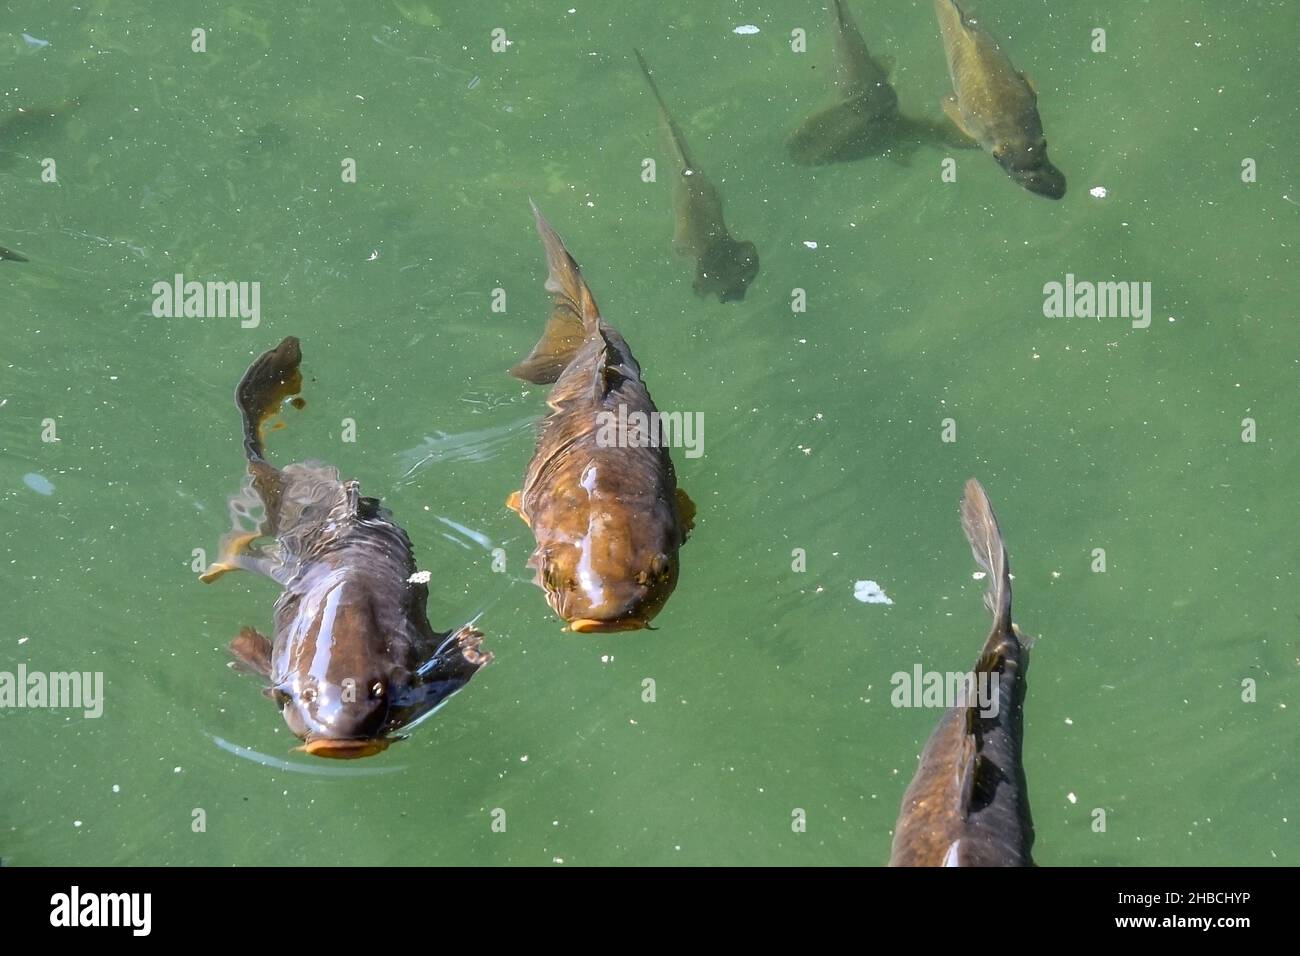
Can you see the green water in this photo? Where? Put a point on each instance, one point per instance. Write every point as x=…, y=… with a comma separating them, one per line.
x=822, y=428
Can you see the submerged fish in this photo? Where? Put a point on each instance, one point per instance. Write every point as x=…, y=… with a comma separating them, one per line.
x=723, y=266
x=865, y=119
x=994, y=103
x=353, y=658
x=12, y=256
x=968, y=804
x=608, y=520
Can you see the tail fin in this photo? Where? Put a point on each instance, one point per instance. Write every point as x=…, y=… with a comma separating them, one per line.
x=981, y=527
x=674, y=134
x=268, y=382
x=573, y=316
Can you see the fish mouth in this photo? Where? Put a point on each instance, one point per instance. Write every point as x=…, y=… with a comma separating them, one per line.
x=587, y=625
x=1045, y=180
x=345, y=749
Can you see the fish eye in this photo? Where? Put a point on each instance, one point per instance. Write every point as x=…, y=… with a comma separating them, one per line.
x=308, y=695
x=377, y=690
x=280, y=697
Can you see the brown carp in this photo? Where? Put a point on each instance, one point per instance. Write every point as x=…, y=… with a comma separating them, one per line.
x=352, y=659
x=607, y=516
x=865, y=119
x=723, y=266
x=994, y=103
x=968, y=804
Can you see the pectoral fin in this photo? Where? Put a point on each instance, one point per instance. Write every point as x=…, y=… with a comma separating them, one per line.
x=235, y=557
x=252, y=652
x=953, y=112
x=685, y=512
x=515, y=504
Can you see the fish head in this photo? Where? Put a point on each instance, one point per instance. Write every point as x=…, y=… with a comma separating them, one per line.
x=334, y=681
x=1028, y=165
x=609, y=582
x=346, y=718
x=725, y=269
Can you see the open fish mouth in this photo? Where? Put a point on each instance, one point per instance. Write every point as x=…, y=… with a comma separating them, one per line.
x=587, y=625
x=345, y=749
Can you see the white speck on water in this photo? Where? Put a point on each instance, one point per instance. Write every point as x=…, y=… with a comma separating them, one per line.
x=23, y=640
x=810, y=244
x=1071, y=797
x=1069, y=722
x=524, y=759
x=745, y=30
x=420, y=577
x=606, y=658
x=869, y=592
x=558, y=859
x=35, y=41
x=38, y=483
x=76, y=823
x=176, y=769
x=117, y=788
x=978, y=575
x=1098, y=192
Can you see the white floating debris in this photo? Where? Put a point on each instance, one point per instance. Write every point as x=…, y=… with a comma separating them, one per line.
x=1098, y=192
x=117, y=788
x=39, y=43
x=810, y=244
x=524, y=759
x=38, y=483
x=746, y=30
x=869, y=592
x=1069, y=722
x=23, y=640
x=978, y=575
x=1071, y=797
x=420, y=577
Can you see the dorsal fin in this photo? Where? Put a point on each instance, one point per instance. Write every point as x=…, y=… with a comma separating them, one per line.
x=573, y=317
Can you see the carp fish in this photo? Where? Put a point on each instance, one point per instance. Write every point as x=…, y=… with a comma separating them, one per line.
x=607, y=516
x=723, y=266
x=994, y=103
x=352, y=659
x=865, y=118
x=968, y=804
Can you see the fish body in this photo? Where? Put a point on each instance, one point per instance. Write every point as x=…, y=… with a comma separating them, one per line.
x=994, y=103
x=12, y=256
x=352, y=659
x=607, y=516
x=724, y=266
x=968, y=804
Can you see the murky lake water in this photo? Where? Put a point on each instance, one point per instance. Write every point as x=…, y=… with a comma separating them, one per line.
x=823, y=433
